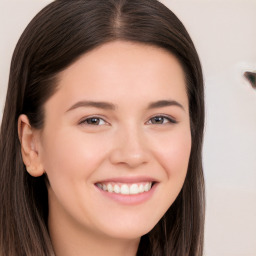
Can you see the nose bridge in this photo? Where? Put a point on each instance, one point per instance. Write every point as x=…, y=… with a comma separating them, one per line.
x=130, y=147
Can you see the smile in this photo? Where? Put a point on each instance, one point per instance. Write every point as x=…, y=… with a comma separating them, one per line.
x=125, y=188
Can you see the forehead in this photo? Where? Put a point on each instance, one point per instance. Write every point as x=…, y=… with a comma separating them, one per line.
x=125, y=55
x=118, y=70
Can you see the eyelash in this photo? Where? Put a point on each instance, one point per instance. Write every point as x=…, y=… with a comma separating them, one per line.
x=98, y=120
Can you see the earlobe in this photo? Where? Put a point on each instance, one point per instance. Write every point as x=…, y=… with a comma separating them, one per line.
x=28, y=141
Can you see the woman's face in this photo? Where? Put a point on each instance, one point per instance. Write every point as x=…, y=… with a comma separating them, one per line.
x=118, y=125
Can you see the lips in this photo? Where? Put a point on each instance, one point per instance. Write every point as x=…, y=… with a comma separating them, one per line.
x=127, y=190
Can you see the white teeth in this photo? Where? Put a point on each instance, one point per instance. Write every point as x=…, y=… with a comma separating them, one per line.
x=109, y=188
x=117, y=189
x=141, y=188
x=134, y=189
x=125, y=189
x=147, y=187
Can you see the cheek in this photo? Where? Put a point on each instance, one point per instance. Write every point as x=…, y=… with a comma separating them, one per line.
x=72, y=154
x=70, y=159
x=173, y=154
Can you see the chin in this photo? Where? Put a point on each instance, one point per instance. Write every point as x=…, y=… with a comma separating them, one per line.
x=129, y=231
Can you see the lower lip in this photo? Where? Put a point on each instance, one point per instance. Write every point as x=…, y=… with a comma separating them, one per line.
x=129, y=199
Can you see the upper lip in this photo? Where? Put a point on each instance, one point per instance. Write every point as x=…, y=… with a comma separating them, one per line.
x=128, y=179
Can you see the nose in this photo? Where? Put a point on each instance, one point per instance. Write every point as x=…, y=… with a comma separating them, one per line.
x=130, y=148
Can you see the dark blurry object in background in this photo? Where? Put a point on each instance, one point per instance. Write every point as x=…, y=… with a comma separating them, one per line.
x=251, y=77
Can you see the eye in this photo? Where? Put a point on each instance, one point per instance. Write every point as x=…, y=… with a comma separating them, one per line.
x=93, y=121
x=161, y=120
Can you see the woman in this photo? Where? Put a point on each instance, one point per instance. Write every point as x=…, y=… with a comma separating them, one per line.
x=101, y=137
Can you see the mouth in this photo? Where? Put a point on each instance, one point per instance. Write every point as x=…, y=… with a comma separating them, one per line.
x=125, y=188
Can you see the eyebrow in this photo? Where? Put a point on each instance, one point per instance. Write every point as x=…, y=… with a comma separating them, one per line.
x=95, y=104
x=164, y=103
x=111, y=106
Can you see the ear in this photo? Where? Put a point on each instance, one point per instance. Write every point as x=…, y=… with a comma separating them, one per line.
x=29, y=139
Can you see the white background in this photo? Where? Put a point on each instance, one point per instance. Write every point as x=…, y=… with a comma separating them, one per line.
x=224, y=33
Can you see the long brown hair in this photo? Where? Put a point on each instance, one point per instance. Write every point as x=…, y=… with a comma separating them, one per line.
x=54, y=39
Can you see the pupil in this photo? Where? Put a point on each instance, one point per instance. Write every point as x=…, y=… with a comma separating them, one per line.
x=158, y=120
x=93, y=121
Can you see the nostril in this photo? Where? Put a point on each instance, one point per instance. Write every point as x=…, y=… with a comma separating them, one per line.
x=251, y=77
